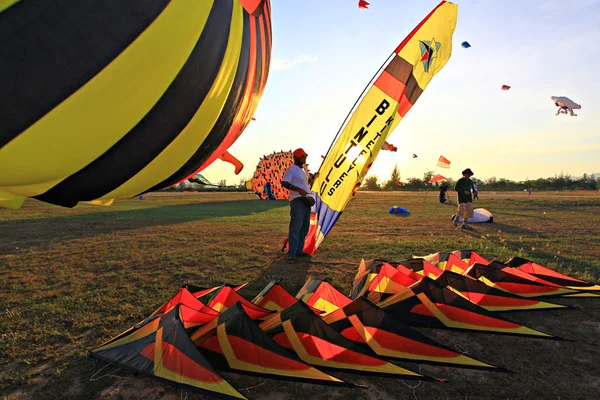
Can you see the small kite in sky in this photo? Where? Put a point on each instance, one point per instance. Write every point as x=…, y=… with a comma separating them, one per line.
x=389, y=146
x=363, y=4
x=505, y=87
x=565, y=105
x=466, y=45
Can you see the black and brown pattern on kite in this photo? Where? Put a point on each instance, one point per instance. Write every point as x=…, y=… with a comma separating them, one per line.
x=297, y=328
x=369, y=326
x=427, y=303
x=161, y=348
x=234, y=342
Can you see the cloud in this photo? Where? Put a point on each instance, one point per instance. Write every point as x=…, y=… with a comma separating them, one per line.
x=281, y=64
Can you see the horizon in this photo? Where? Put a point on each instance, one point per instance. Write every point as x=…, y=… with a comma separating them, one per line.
x=321, y=63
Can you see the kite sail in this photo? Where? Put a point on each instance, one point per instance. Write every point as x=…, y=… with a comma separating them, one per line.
x=443, y=162
x=227, y=297
x=276, y=298
x=492, y=299
x=382, y=281
x=427, y=303
x=366, y=324
x=161, y=348
x=495, y=274
x=396, y=88
x=565, y=105
x=235, y=342
x=549, y=275
x=129, y=107
x=297, y=328
x=319, y=294
x=470, y=257
x=437, y=178
x=447, y=262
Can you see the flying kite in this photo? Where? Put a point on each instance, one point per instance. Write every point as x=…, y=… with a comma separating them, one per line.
x=437, y=178
x=505, y=87
x=363, y=4
x=386, y=101
x=389, y=147
x=134, y=106
x=565, y=105
x=466, y=45
x=415, y=156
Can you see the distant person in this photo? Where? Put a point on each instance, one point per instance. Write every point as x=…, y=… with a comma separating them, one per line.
x=475, y=191
x=464, y=190
x=296, y=181
x=529, y=191
x=443, y=191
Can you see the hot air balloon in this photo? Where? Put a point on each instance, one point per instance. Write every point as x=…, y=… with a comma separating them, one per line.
x=93, y=111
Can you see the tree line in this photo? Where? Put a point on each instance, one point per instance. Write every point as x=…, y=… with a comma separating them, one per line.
x=557, y=182
x=395, y=183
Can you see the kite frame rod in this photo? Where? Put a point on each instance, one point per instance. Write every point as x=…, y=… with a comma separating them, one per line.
x=357, y=103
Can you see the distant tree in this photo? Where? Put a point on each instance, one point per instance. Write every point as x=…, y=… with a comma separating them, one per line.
x=392, y=184
x=223, y=183
x=427, y=177
x=371, y=183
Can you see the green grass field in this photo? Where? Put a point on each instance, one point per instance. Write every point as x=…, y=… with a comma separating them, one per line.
x=73, y=278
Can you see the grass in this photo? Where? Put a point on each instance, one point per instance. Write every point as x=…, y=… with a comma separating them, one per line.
x=72, y=278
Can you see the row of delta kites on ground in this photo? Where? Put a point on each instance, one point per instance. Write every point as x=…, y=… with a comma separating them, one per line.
x=94, y=126
x=307, y=338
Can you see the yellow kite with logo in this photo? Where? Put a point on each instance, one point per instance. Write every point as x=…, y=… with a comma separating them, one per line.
x=398, y=85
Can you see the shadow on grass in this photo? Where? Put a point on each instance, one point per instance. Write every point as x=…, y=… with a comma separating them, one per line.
x=291, y=276
x=479, y=228
x=33, y=232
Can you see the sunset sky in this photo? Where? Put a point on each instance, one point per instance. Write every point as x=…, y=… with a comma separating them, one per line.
x=326, y=52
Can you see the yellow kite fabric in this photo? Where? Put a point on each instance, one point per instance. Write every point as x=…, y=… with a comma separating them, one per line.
x=412, y=66
x=94, y=111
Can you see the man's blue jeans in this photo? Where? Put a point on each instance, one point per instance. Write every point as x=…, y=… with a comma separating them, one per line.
x=299, y=225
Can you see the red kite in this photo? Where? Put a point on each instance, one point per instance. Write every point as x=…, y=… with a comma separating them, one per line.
x=226, y=297
x=235, y=342
x=297, y=328
x=276, y=298
x=322, y=296
x=549, y=275
x=160, y=348
x=366, y=324
x=427, y=303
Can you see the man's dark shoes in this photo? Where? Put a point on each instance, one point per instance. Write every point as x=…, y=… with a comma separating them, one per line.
x=303, y=255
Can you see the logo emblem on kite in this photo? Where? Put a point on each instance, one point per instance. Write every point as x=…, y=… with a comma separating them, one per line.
x=429, y=49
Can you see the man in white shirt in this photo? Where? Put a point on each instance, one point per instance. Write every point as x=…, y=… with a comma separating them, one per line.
x=296, y=181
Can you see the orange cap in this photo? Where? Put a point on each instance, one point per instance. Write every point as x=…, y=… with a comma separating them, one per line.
x=299, y=153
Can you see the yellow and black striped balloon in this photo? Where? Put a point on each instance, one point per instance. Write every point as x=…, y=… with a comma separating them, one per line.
x=105, y=100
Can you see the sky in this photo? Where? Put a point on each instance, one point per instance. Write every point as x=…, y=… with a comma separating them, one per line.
x=325, y=52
